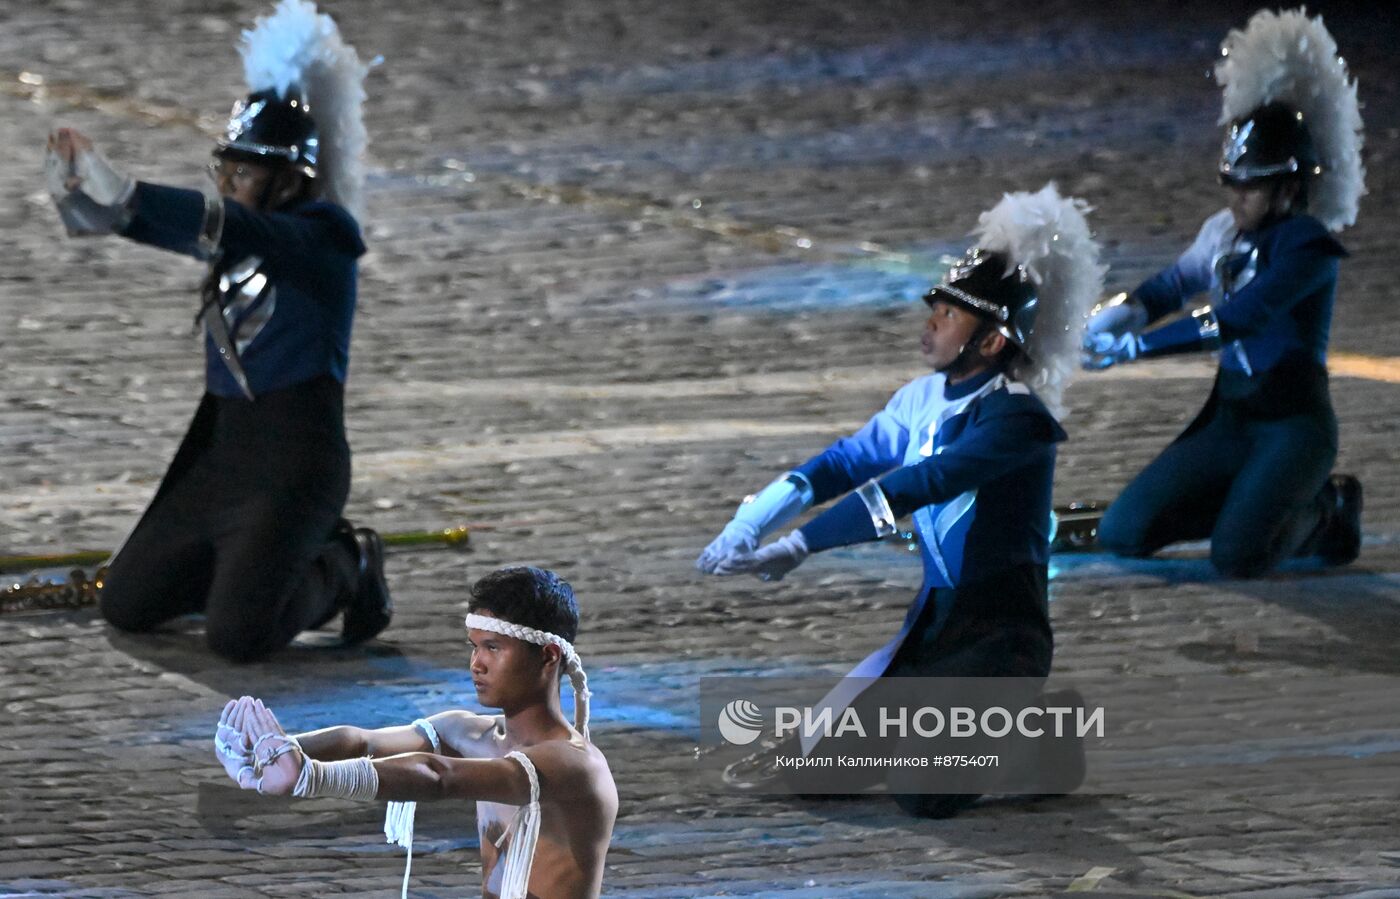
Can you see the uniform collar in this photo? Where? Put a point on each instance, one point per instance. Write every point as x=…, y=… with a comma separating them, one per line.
x=971, y=385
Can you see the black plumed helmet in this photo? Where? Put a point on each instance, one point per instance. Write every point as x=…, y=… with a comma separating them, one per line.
x=266, y=127
x=984, y=282
x=1270, y=141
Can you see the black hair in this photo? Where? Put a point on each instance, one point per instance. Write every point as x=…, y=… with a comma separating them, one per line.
x=529, y=596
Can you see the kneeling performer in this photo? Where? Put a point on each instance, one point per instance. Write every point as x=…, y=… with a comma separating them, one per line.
x=246, y=526
x=968, y=450
x=1253, y=471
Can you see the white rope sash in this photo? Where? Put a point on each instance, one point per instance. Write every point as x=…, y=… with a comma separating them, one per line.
x=398, y=816
x=572, y=665
x=520, y=854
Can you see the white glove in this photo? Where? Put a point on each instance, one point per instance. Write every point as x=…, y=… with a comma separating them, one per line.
x=91, y=196
x=1117, y=315
x=1099, y=351
x=737, y=537
x=769, y=563
x=757, y=516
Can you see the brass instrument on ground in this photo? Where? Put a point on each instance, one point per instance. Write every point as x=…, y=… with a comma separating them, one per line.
x=1074, y=528
x=42, y=591
x=1077, y=527
x=49, y=588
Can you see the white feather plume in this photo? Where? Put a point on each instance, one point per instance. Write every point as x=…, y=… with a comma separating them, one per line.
x=1049, y=236
x=1292, y=59
x=298, y=49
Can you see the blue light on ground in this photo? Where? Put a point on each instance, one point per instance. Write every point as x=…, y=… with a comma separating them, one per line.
x=797, y=287
x=657, y=696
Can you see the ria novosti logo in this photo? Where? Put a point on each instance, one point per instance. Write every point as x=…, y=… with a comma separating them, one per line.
x=740, y=722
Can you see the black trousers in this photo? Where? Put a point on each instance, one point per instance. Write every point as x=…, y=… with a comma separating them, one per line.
x=998, y=625
x=242, y=526
x=1251, y=483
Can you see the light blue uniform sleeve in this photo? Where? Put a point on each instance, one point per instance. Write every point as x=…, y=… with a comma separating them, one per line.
x=1191, y=274
x=866, y=454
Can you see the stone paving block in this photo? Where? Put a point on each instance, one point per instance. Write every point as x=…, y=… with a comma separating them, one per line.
x=564, y=350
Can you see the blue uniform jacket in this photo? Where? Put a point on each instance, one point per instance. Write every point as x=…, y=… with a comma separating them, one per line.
x=1278, y=300
x=974, y=463
x=297, y=327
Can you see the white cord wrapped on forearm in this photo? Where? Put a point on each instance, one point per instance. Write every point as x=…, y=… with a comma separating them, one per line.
x=348, y=779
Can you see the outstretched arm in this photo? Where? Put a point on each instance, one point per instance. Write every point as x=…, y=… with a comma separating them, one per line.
x=987, y=450
x=189, y=222
x=875, y=448
x=1192, y=273
x=565, y=773
x=1302, y=261
x=344, y=742
x=419, y=777
x=409, y=777
x=1112, y=333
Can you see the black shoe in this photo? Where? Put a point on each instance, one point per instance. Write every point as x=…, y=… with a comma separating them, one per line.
x=1340, y=542
x=370, y=608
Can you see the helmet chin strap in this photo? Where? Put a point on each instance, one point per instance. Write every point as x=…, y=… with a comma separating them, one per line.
x=967, y=353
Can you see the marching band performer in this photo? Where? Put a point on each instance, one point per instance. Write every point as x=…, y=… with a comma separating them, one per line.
x=246, y=526
x=1252, y=471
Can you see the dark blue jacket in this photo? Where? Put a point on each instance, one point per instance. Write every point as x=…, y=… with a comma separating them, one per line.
x=299, y=328
x=1281, y=304
x=974, y=464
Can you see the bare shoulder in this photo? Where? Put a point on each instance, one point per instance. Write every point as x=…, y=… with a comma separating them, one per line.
x=571, y=769
x=468, y=734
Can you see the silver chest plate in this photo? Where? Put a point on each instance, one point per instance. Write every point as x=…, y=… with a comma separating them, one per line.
x=247, y=299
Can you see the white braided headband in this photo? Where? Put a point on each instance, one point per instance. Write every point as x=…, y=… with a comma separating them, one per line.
x=572, y=666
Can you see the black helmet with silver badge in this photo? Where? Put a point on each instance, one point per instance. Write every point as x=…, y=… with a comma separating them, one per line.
x=269, y=128
x=1271, y=141
x=985, y=282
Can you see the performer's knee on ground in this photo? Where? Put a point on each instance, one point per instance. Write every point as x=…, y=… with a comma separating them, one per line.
x=234, y=644
x=1241, y=560
x=125, y=611
x=1121, y=535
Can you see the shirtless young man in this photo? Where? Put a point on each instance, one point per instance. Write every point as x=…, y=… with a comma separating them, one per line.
x=533, y=776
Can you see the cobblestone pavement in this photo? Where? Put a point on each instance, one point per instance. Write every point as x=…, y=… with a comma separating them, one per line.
x=628, y=260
